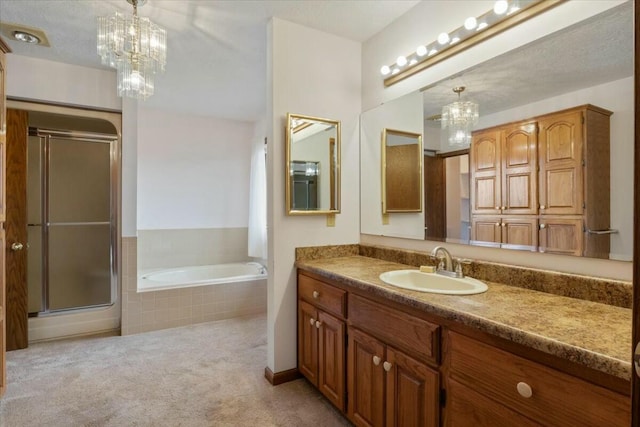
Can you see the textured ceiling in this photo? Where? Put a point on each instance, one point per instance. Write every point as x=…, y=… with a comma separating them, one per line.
x=592, y=52
x=217, y=49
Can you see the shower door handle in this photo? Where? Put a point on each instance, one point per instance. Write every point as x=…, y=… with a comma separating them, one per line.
x=16, y=246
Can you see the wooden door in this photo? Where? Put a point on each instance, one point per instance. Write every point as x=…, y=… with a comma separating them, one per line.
x=485, y=164
x=435, y=209
x=17, y=310
x=486, y=230
x=3, y=167
x=412, y=392
x=520, y=232
x=365, y=378
x=308, y=341
x=468, y=408
x=561, y=235
x=560, y=160
x=331, y=359
x=520, y=169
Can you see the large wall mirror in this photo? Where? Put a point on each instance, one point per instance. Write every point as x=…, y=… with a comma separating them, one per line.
x=401, y=171
x=312, y=165
x=589, y=63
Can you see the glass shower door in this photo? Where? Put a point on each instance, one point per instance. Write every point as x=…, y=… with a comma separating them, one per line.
x=78, y=219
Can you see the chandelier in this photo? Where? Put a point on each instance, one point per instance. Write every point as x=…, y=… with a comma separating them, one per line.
x=135, y=47
x=458, y=118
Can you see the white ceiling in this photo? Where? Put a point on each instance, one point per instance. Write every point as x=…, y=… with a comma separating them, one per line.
x=592, y=52
x=216, y=49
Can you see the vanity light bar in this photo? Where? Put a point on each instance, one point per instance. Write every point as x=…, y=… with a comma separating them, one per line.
x=504, y=15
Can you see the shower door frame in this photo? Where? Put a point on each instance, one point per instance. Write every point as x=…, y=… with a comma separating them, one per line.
x=91, y=137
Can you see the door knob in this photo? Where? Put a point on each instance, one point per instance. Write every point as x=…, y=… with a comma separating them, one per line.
x=17, y=246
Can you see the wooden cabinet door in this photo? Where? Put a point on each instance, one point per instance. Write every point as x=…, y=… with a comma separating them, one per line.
x=486, y=230
x=560, y=235
x=3, y=323
x=467, y=408
x=519, y=169
x=485, y=167
x=308, y=341
x=412, y=392
x=365, y=377
x=331, y=373
x=560, y=160
x=519, y=233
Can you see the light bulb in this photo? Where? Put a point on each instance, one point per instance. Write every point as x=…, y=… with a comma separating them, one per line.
x=385, y=70
x=401, y=61
x=443, y=38
x=501, y=7
x=137, y=81
x=470, y=23
x=421, y=50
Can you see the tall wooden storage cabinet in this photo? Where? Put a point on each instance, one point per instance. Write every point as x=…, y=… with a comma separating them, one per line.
x=543, y=184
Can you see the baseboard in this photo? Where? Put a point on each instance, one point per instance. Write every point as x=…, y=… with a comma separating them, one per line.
x=282, y=376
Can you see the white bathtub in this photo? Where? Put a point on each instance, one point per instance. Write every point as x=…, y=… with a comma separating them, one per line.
x=202, y=275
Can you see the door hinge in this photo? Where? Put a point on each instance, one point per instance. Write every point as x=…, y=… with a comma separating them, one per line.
x=583, y=163
x=584, y=206
x=443, y=398
x=582, y=118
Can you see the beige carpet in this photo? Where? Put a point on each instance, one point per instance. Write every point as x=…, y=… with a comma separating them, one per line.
x=211, y=374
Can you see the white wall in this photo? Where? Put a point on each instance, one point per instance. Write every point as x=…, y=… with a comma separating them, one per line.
x=423, y=23
x=193, y=171
x=403, y=114
x=312, y=73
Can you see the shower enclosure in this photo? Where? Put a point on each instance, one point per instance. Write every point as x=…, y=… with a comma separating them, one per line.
x=71, y=220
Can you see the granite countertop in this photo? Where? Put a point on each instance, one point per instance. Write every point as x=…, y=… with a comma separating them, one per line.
x=592, y=334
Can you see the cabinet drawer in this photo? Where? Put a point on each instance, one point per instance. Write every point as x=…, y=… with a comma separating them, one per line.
x=394, y=327
x=320, y=294
x=557, y=398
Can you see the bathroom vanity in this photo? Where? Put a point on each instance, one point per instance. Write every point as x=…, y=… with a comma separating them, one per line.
x=510, y=356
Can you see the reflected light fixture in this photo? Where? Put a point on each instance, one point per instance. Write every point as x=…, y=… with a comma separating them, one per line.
x=135, y=47
x=458, y=119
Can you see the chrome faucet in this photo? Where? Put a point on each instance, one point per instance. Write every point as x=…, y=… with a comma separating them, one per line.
x=446, y=263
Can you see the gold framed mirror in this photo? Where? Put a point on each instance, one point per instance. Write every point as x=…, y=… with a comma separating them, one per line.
x=312, y=165
x=401, y=171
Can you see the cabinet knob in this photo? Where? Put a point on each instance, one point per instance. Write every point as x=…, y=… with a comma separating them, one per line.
x=387, y=366
x=497, y=224
x=542, y=226
x=497, y=207
x=318, y=324
x=316, y=294
x=525, y=390
x=542, y=207
x=503, y=207
x=503, y=224
x=376, y=360
x=312, y=321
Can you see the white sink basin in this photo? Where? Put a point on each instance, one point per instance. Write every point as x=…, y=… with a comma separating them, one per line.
x=432, y=282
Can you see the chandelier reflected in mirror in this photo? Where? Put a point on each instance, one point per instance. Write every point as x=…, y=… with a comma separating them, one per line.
x=458, y=120
x=135, y=47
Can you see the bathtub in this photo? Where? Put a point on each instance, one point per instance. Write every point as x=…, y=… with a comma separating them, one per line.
x=201, y=275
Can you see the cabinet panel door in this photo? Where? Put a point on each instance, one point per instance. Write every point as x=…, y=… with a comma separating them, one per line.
x=331, y=374
x=486, y=230
x=485, y=166
x=520, y=233
x=560, y=161
x=412, y=392
x=520, y=169
x=308, y=342
x=467, y=408
x=365, y=379
x=561, y=235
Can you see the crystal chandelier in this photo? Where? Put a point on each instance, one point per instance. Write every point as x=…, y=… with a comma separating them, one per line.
x=458, y=118
x=135, y=47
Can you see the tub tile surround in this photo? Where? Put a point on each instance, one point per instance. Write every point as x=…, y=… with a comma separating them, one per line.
x=155, y=310
x=595, y=335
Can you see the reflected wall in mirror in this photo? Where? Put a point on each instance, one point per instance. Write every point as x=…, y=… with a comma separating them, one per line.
x=555, y=73
x=401, y=171
x=312, y=165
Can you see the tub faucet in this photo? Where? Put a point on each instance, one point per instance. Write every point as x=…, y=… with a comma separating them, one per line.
x=446, y=263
